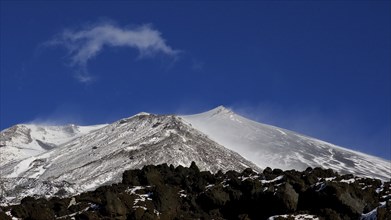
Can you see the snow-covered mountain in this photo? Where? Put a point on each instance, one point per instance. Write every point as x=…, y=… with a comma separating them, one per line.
x=269, y=146
x=26, y=140
x=65, y=160
x=101, y=156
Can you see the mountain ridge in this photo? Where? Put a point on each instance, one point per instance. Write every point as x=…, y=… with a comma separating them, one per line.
x=100, y=157
x=24, y=140
x=268, y=145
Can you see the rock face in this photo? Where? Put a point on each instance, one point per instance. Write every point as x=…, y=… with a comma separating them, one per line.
x=168, y=192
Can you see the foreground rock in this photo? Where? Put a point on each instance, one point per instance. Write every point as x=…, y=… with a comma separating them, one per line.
x=166, y=192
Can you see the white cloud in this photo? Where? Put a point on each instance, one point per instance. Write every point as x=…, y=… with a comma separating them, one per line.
x=86, y=43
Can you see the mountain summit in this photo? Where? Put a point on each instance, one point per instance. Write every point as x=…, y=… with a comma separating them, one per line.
x=270, y=146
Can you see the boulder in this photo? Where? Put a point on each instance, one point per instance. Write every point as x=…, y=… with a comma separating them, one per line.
x=114, y=206
x=214, y=198
x=287, y=197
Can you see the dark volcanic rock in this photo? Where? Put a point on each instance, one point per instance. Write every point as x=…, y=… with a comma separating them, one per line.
x=114, y=207
x=384, y=212
x=166, y=192
x=288, y=197
x=33, y=209
x=214, y=198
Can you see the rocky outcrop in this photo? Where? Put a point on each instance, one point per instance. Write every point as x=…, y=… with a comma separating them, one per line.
x=168, y=192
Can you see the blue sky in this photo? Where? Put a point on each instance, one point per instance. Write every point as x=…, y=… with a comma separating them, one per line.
x=320, y=68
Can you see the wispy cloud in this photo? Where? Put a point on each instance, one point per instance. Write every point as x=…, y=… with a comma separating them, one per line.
x=85, y=43
x=197, y=65
x=65, y=113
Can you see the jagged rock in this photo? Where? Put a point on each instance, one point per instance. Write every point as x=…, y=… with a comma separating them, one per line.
x=19, y=212
x=33, y=209
x=288, y=197
x=130, y=177
x=311, y=175
x=59, y=206
x=384, y=212
x=151, y=176
x=295, y=179
x=277, y=172
x=165, y=192
x=214, y=198
x=329, y=214
x=194, y=167
x=114, y=206
x=341, y=197
x=267, y=170
x=248, y=172
x=4, y=216
x=166, y=200
x=88, y=216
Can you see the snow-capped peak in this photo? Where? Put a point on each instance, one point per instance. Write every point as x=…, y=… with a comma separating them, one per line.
x=220, y=110
x=270, y=146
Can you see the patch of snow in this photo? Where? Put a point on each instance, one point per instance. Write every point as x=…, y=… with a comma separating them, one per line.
x=273, y=180
x=182, y=194
x=10, y=215
x=209, y=186
x=279, y=130
x=73, y=214
x=21, y=167
x=329, y=179
x=252, y=177
x=380, y=189
x=349, y=181
x=156, y=212
x=322, y=186
x=72, y=202
x=94, y=206
x=141, y=197
x=139, y=207
x=132, y=148
x=295, y=216
x=134, y=189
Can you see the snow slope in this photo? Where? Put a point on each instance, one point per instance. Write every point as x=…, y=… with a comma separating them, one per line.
x=25, y=140
x=269, y=146
x=102, y=156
